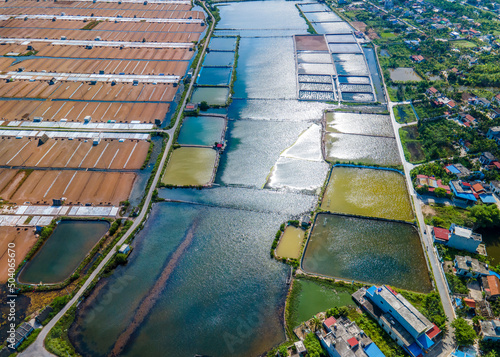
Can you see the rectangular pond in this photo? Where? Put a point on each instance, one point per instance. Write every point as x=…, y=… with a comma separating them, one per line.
x=367, y=150
x=340, y=39
x=219, y=59
x=222, y=44
x=190, y=166
x=201, y=130
x=367, y=250
x=351, y=64
x=290, y=243
x=322, y=16
x=354, y=123
x=215, y=76
x=314, y=297
x=211, y=95
x=404, y=74
x=332, y=27
x=63, y=251
x=344, y=48
x=367, y=192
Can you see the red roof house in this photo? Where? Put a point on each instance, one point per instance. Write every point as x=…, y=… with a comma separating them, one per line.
x=442, y=235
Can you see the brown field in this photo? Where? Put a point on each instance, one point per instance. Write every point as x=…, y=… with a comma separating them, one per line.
x=23, y=238
x=310, y=43
x=146, y=67
x=79, y=187
x=109, y=154
x=101, y=112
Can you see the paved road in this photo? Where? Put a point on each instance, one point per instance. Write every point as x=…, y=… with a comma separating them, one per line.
x=37, y=349
x=448, y=344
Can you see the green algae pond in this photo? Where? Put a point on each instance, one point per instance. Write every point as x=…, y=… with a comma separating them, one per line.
x=311, y=297
x=368, y=251
x=367, y=192
x=290, y=243
x=63, y=251
x=190, y=166
x=201, y=130
x=211, y=95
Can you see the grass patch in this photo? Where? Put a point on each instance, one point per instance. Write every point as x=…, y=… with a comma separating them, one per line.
x=444, y=216
x=457, y=284
x=404, y=114
x=377, y=334
x=412, y=146
x=90, y=25
x=463, y=44
x=57, y=340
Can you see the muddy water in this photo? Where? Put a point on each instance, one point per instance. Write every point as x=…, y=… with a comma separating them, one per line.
x=63, y=251
x=290, y=243
x=211, y=95
x=190, y=167
x=367, y=192
x=366, y=250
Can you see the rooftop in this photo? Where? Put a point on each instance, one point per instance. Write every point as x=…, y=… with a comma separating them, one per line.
x=441, y=233
x=465, y=232
x=491, y=328
x=466, y=263
x=406, y=310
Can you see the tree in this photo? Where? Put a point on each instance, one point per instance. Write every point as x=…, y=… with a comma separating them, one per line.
x=440, y=192
x=464, y=333
x=204, y=106
x=485, y=215
x=312, y=345
x=315, y=324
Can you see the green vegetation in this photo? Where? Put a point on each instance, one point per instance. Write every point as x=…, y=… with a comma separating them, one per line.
x=444, y=216
x=464, y=333
x=457, y=284
x=412, y=147
x=90, y=25
x=313, y=346
x=57, y=340
x=31, y=338
x=376, y=334
x=429, y=305
x=404, y=114
x=463, y=43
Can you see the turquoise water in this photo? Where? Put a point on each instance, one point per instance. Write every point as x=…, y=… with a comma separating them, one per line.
x=366, y=250
x=219, y=59
x=222, y=44
x=215, y=76
x=201, y=130
x=63, y=251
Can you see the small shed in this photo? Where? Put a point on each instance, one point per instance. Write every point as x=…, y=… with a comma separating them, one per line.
x=43, y=139
x=124, y=249
x=42, y=316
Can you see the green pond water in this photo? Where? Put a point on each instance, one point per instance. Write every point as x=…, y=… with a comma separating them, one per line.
x=63, y=251
x=367, y=192
x=201, y=130
x=404, y=74
x=290, y=243
x=367, y=250
x=211, y=95
x=316, y=297
x=190, y=167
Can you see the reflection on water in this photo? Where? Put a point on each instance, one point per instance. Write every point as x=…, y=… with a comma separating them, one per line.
x=289, y=110
x=361, y=149
x=367, y=250
x=254, y=146
x=211, y=95
x=353, y=123
x=223, y=285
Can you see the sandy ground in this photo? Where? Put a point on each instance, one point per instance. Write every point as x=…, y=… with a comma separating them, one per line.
x=23, y=238
x=80, y=153
x=79, y=187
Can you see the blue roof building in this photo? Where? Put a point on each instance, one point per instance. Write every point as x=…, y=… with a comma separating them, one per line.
x=401, y=320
